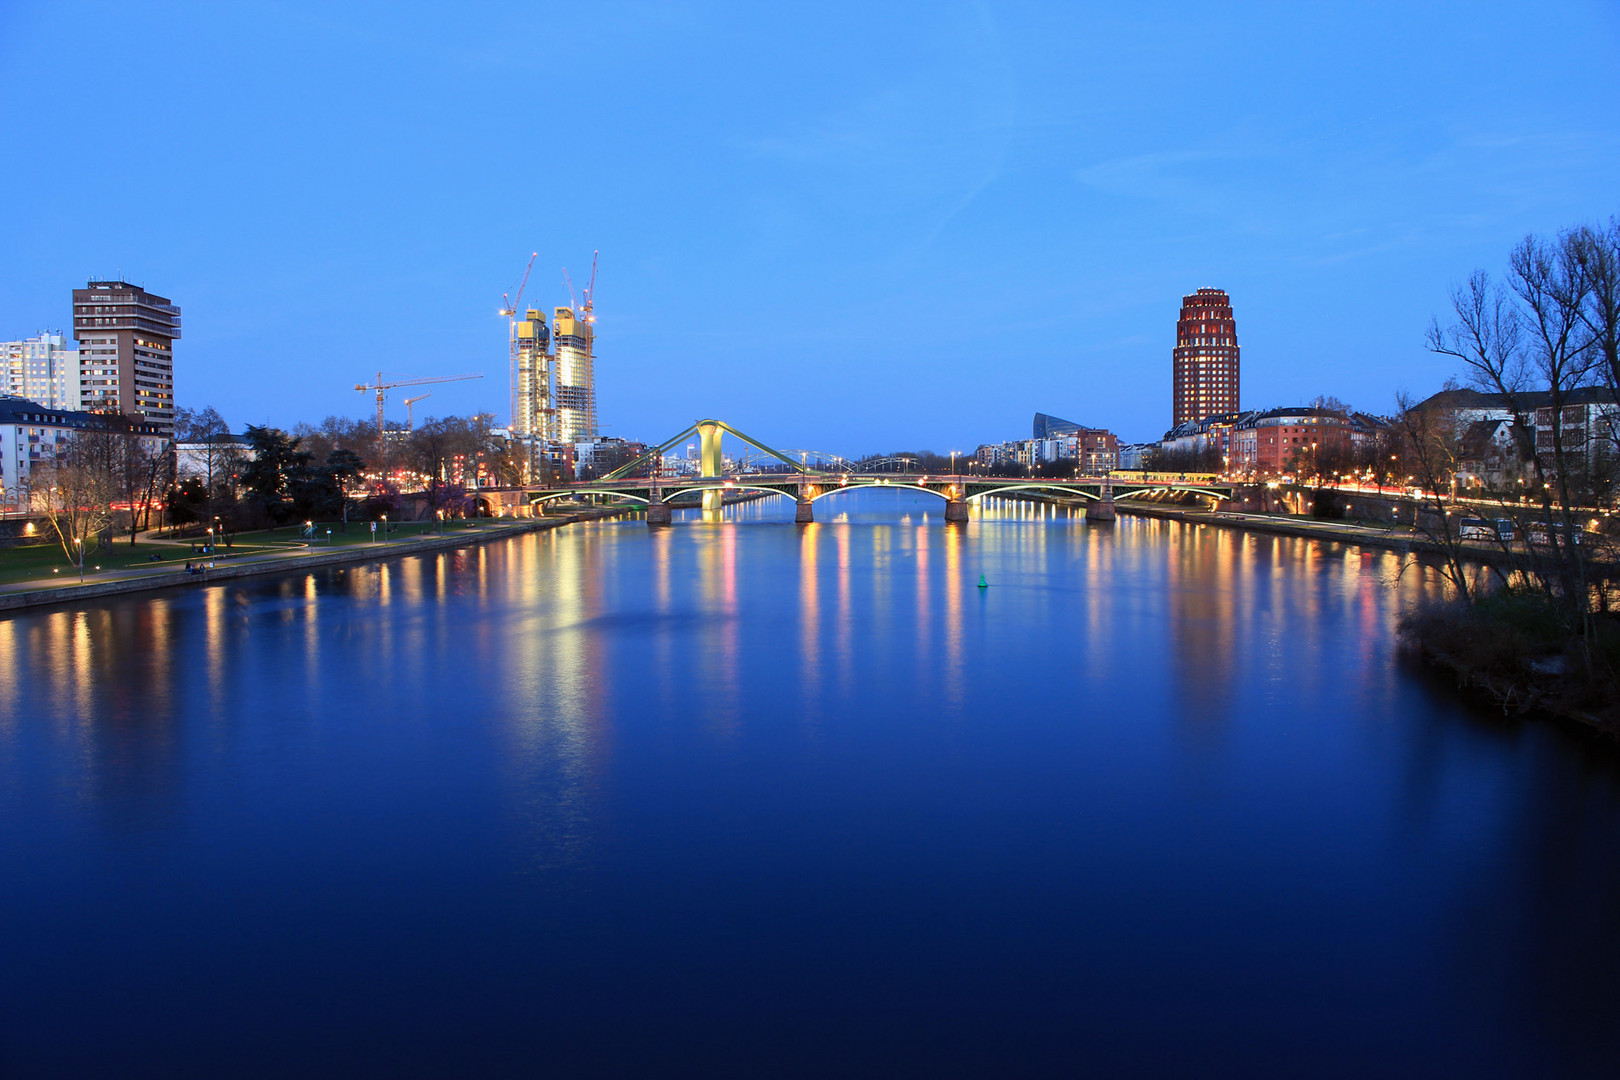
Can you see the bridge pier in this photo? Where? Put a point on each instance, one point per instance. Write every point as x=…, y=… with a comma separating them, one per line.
x=803, y=514
x=1102, y=509
x=659, y=513
x=956, y=510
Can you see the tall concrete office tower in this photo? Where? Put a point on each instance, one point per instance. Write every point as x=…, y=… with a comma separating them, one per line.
x=126, y=339
x=576, y=375
x=1205, y=359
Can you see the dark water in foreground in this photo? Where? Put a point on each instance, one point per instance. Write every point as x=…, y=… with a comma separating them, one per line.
x=750, y=799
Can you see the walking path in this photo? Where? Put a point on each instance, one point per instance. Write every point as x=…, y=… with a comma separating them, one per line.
x=1401, y=538
x=291, y=555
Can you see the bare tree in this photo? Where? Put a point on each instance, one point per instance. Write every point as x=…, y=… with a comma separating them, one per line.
x=1430, y=444
x=138, y=467
x=1536, y=343
x=75, y=492
x=1598, y=252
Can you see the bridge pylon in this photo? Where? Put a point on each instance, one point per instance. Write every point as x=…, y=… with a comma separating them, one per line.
x=711, y=462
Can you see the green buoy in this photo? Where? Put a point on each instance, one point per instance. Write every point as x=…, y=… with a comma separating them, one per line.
x=983, y=584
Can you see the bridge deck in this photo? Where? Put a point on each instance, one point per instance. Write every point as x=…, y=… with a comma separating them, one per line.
x=815, y=486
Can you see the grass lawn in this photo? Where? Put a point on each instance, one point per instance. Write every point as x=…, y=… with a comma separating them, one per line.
x=46, y=563
x=42, y=562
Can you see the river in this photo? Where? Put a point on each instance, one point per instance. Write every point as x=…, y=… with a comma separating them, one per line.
x=746, y=798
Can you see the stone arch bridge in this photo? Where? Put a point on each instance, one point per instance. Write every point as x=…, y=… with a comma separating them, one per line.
x=806, y=485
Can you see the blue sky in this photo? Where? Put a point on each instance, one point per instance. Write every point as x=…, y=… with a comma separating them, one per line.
x=841, y=227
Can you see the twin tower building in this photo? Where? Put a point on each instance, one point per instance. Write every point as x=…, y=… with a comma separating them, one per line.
x=553, y=381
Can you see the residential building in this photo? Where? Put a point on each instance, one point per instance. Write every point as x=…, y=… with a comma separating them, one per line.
x=43, y=368
x=604, y=453
x=1588, y=428
x=212, y=459
x=32, y=434
x=1488, y=454
x=126, y=339
x=1093, y=450
x=1203, y=445
x=1464, y=407
x=1589, y=422
x=1135, y=456
x=1204, y=362
x=1295, y=440
x=1085, y=450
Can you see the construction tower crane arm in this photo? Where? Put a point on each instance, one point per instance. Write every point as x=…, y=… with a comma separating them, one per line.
x=410, y=421
x=380, y=387
x=590, y=290
x=509, y=307
x=573, y=297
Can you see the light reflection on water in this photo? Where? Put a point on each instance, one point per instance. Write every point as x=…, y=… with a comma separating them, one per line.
x=744, y=784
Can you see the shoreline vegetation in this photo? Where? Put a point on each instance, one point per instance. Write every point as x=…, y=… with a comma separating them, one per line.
x=1540, y=630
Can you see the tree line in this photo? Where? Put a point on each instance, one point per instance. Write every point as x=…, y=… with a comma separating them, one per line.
x=1545, y=340
x=104, y=483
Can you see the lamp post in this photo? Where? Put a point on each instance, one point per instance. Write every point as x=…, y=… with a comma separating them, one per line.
x=78, y=544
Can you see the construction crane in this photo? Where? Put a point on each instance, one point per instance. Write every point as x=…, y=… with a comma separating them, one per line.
x=510, y=306
x=380, y=387
x=590, y=289
x=410, y=424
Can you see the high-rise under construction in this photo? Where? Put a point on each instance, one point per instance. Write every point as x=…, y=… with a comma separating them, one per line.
x=533, y=412
x=553, y=376
x=576, y=374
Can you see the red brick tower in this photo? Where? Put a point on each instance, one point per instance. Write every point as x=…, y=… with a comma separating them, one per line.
x=1205, y=358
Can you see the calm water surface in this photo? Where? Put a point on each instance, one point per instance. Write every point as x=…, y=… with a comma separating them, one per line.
x=753, y=799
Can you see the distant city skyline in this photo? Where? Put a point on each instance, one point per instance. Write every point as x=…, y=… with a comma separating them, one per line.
x=911, y=237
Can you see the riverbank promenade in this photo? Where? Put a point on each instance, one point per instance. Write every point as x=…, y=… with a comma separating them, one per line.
x=154, y=563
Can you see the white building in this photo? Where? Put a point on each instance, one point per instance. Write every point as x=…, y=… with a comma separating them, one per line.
x=1137, y=455
x=213, y=459
x=32, y=435
x=603, y=453
x=43, y=369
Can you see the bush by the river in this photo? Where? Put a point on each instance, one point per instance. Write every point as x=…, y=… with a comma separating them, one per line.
x=1516, y=646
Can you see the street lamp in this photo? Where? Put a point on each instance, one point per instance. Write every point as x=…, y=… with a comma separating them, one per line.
x=78, y=543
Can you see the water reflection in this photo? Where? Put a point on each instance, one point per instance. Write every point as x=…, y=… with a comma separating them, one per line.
x=582, y=769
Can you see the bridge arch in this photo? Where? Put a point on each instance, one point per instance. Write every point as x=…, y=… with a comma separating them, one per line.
x=547, y=496
x=728, y=485
x=839, y=489
x=1002, y=490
